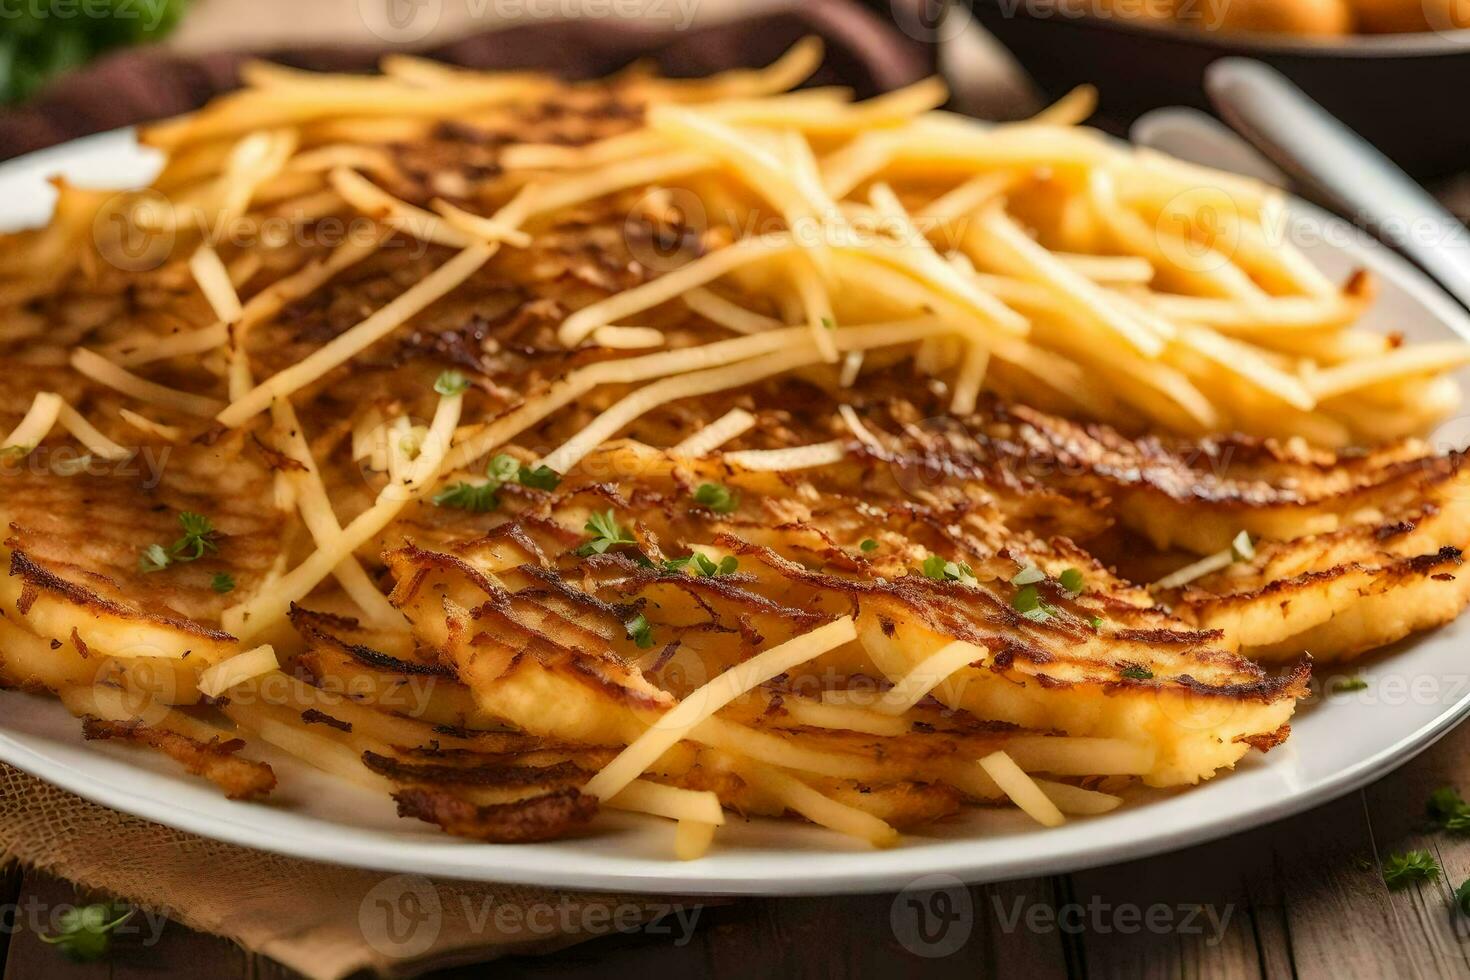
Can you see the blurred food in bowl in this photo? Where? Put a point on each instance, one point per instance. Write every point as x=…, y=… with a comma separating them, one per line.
x=1301, y=17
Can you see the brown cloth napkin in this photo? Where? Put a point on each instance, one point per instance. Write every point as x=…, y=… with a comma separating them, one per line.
x=863, y=52
x=320, y=920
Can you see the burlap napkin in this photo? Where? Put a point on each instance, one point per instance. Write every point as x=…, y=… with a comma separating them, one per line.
x=320, y=920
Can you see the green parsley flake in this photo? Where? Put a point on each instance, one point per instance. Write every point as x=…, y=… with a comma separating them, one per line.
x=829, y=323
x=1346, y=684
x=451, y=383
x=1095, y=622
x=1449, y=810
x=1028, y=602
x=198, y=538
x=476, y=497
x=154, y=559
x=1073, y=581
x=869, y=545
x=541, y=478
x=503, y=468
x=939, y=570
x=606, y=533
x=222, y=583
x=639, y=631
x=1137, y=673
x=702, y=565
x=1402, y=870
x=717, y=498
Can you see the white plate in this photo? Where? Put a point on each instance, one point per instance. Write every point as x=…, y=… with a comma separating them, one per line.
x=1416, y=693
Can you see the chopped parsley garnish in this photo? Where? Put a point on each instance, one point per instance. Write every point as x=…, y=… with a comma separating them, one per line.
x=1462, y=897
x=477, y=497
x=702, y=565
x=1136, y=673
x=503, y=468
x=606, y=533
x=829, y=323
x=541, y=478
x=939, y=570
x=1028, y=602
x=222, y=583
x=84, y=934
x=1073, y=581
x=639, y=631
x=154, y=559
x=198, y=539
x=869, y=545
x=1449, y=810
x=717, y=498
x=1095, y=622
x=1345, y=684
x=1402, y=870
x=451, y=383
x=1028, y=575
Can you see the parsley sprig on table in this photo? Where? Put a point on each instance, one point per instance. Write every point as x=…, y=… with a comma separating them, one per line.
x=84, y=933
x=43, y=38
x=1403, y=870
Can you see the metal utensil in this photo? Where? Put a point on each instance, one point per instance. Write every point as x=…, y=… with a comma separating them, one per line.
x=1340, y=170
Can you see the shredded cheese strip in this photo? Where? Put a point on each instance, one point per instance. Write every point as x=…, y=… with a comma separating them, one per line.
x=703, y=702
x=88, y=435
x=730, y=315
x=927, y=675
x=1403, y=362
x=215, y=283
x=1076, y=801
x=168, y=433
x=270, y=605
x=481, y=227
x=359, y=338
x=579, y=326
x=673, y=802
x=1021, y=789
x=315, y=506
x=372, y=200
x=627, y=338
x=792, y=458
x=37, y=423
x=645, y=399
x=104, y=372
x=820, y=319
x=855, y=426
x=733, y=424
x=242, y=667
x=692, y=839
x=819, y=809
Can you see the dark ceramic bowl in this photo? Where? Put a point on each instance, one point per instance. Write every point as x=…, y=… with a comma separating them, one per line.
x=1408, y=94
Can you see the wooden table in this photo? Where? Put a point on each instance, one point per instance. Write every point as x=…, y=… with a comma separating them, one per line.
x=1302, y=897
